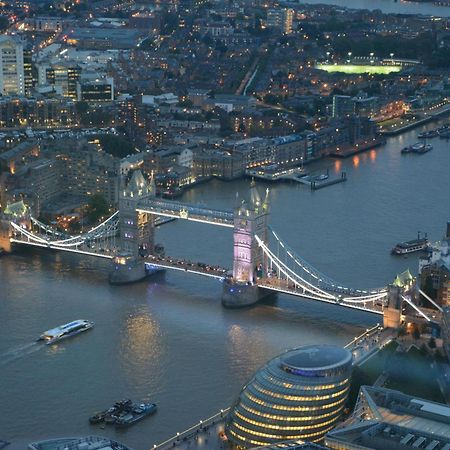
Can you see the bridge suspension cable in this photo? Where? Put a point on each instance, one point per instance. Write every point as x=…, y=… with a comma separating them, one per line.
x=323, y=281
x=103, y=235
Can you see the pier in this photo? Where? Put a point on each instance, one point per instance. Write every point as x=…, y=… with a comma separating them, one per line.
x=345, y=152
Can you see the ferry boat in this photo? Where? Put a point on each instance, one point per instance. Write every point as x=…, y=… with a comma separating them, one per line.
x=416, y=245
x=64, y=331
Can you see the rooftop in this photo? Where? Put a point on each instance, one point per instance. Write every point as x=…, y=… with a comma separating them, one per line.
x=78, y=443
x=315, y=356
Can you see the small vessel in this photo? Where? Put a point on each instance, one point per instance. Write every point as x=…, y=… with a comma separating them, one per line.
x=428, y=134
x=136, y=414
x=110, y=415
x=418, y=147
x=416, y=245
x=64, y=331
x=426, y=149
x=322, y=176
x=444, y=133
x=123, y=413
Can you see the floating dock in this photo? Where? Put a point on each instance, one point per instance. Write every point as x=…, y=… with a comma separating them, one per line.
x=314, y=183
x=271, y=174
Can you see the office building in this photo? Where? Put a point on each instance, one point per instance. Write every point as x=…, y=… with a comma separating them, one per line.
x=12, y=77
x=384, y=419
x=298, y=395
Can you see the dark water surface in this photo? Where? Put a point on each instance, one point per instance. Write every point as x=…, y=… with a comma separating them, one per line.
x=170, y=340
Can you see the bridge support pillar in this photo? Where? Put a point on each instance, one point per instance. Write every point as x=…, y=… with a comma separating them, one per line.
x=393, y=311
x=136, y=231
x=239, y=295
x=5, y=235
x=250, y=220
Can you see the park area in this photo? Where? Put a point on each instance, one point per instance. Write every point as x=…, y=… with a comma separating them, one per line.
x=406, y=371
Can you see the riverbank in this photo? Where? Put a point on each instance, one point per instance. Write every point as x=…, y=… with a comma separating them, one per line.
x=398, y=126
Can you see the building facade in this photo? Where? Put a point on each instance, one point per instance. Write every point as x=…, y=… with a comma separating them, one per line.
x=12, y=76
x=297, y=396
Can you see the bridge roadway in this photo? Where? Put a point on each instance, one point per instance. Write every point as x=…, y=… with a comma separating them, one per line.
x=183, y=265
x=178, y=210
x=280, y=285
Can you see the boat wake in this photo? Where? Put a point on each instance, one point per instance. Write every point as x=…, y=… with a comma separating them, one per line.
x=19, y=352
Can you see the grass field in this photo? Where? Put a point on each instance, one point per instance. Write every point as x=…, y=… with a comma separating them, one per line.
x=355, y=68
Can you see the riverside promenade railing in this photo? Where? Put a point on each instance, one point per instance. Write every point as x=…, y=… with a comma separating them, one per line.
x=202, y=426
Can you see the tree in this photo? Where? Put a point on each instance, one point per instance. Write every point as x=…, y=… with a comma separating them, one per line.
x=82, y=107
x=97, y=207
x=4, y=23
x=432, y=343
x=117, y=146
x=402, y=331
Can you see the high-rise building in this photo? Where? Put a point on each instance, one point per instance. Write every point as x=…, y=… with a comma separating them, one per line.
x=12, y=77
x=63, y=77
x=28, y=71
x=280, y=18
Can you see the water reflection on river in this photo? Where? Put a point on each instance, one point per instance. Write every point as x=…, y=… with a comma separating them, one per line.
x=170, y=340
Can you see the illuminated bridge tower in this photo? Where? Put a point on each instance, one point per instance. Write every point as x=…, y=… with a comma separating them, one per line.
x=136, y=230
x=250, y=220
x=402, y=285
x=393, y=310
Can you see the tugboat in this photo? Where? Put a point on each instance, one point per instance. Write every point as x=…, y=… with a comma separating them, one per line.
x=425, y=149
x=110, y=415
x=416, y=245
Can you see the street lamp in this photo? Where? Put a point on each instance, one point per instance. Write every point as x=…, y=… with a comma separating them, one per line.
x=371, y=57
x=349, y=56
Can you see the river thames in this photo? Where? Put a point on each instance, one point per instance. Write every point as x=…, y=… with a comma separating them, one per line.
x=169, y=340
x=388, y=6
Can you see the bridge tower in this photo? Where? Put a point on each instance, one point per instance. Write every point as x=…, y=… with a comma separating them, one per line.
x=136, y=230
x=250, y=220
x=393, y=310
x=402, y=285
x=18, y=213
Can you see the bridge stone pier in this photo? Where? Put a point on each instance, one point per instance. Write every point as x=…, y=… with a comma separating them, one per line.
x=250, y=220
x=136, y=230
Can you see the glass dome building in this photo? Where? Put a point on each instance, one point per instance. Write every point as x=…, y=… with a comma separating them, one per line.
x=298, y=395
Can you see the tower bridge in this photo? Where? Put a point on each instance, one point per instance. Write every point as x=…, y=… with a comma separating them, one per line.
x=263, y=264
